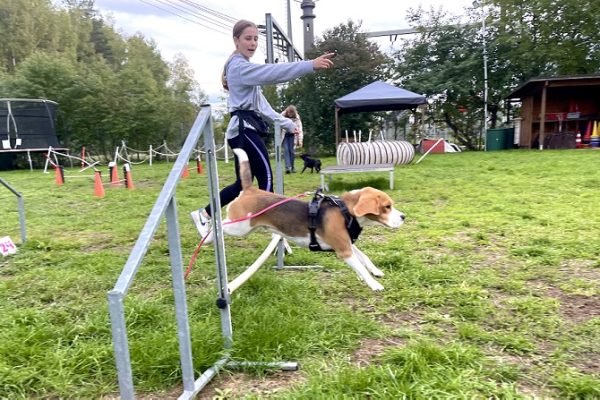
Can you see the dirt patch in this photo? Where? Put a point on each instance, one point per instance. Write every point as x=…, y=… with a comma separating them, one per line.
x=170, y=395
x=585, y=269
x=587, y=363
x=576, y=308
x=395, y=319
x=370, y=349
x=230, y=385
x=238, y=385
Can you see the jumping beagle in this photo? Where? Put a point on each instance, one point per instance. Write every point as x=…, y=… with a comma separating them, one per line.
x=367, y=206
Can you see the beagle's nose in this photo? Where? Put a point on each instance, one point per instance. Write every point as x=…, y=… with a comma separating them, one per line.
x=402, y=216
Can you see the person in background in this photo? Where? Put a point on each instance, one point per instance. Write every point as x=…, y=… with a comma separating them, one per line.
x=248, y=108
x=291, y=140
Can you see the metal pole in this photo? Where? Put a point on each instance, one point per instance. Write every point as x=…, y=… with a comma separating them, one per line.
x=269, y=33
x=181, y=310
x=279, y=186
x=290, y=47
x=485, y=78
x=224, y=299
x=21, y=206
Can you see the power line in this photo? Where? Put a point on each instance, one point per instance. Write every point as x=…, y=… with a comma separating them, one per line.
x=217, y=28
x=187, y=7
x=200, y=15
x=212, y=12
x=220, y=22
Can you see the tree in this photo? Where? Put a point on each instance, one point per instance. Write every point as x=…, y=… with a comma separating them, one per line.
x=109, y=88
x=445, y=62
x=358, y=62
x=26, y=27
x=185, y=98
x=524, y=39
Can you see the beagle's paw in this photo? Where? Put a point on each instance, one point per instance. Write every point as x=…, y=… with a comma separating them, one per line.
x=375, y=286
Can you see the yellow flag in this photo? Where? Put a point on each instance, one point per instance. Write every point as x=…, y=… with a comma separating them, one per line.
x=595, y=130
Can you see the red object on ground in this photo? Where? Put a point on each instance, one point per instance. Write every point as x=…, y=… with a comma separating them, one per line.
x=428, y=144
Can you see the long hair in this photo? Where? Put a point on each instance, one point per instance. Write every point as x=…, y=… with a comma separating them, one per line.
x=291, y=112
x=238, y=28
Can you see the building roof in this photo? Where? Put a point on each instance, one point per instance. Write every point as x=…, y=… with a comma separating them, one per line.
x=535, y=85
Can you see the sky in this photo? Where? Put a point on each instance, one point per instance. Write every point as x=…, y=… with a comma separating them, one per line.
x=207, y=47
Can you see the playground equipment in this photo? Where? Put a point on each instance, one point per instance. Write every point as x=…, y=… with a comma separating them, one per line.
x=26, y=126
x=165, y=206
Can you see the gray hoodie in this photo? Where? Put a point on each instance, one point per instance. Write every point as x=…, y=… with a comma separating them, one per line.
x=244, y=79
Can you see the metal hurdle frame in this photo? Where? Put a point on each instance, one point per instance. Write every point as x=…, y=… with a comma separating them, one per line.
x=21, y=208
x=166, y=205
x=281, y=245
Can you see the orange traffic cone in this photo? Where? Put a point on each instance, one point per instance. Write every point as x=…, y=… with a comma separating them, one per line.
x=588, y=133
x=98, y=186
x=186, y=172
x=128, y=178
x=114, y=173
x=59, y=174
x=198, y=165
x=578, y=144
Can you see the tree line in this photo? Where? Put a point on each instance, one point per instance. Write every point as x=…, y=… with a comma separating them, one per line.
x=445, y=61
x=109, y=87
x=112, y=88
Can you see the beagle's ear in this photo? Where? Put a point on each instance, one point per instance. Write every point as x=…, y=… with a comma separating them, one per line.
x=367, y=204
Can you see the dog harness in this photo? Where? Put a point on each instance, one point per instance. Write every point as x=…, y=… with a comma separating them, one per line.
x=314, y=207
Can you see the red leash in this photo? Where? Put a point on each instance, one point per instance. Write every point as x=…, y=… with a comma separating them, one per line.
x=233, y=221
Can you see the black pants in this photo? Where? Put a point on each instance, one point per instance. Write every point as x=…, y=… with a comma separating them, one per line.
x=255, y=147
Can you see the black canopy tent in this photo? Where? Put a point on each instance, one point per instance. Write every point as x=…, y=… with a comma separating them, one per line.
x=376, y=96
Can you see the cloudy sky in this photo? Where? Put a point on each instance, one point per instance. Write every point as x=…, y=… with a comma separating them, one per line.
x=176, y=28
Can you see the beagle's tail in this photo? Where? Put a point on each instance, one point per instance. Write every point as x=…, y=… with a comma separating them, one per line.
x=245, y=171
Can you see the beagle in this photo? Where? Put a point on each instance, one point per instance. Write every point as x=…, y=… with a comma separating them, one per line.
x=368, y=206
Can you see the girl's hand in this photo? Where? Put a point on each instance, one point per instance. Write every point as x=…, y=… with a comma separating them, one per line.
x=323, y=62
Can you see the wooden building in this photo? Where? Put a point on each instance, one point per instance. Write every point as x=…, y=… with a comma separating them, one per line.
x=554, y=110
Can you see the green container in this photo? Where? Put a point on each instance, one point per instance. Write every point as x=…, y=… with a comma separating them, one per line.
x=509, y=138
x=499, y=139
x=495, y=139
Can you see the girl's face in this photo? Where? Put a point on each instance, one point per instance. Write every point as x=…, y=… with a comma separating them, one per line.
x=247, y=43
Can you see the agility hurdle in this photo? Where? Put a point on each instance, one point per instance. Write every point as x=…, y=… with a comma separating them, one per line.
x=21, y=208
x=282, y=245
x=166, y=206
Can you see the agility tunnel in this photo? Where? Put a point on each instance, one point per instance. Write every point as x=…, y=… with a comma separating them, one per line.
x=375, y=152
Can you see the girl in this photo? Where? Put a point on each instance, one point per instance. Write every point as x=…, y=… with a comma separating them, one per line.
x=248, y=107
x=292, y=139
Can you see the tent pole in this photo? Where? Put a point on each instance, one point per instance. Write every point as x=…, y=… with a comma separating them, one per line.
x=337, y=126
x=543, y=116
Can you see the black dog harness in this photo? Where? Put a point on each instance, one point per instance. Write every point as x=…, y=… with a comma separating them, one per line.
x=314, y=207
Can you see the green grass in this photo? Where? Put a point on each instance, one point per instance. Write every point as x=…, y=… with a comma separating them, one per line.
x=492, y=288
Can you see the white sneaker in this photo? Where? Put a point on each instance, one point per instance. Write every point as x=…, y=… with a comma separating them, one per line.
x=203, y=225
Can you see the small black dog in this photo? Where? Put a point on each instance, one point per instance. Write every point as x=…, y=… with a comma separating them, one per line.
x=311, y=163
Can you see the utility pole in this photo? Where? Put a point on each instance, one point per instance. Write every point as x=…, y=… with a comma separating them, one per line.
x=485, y=78
x=290, y=54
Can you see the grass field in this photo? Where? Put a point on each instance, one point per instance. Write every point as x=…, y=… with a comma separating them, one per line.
x=492, y=289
